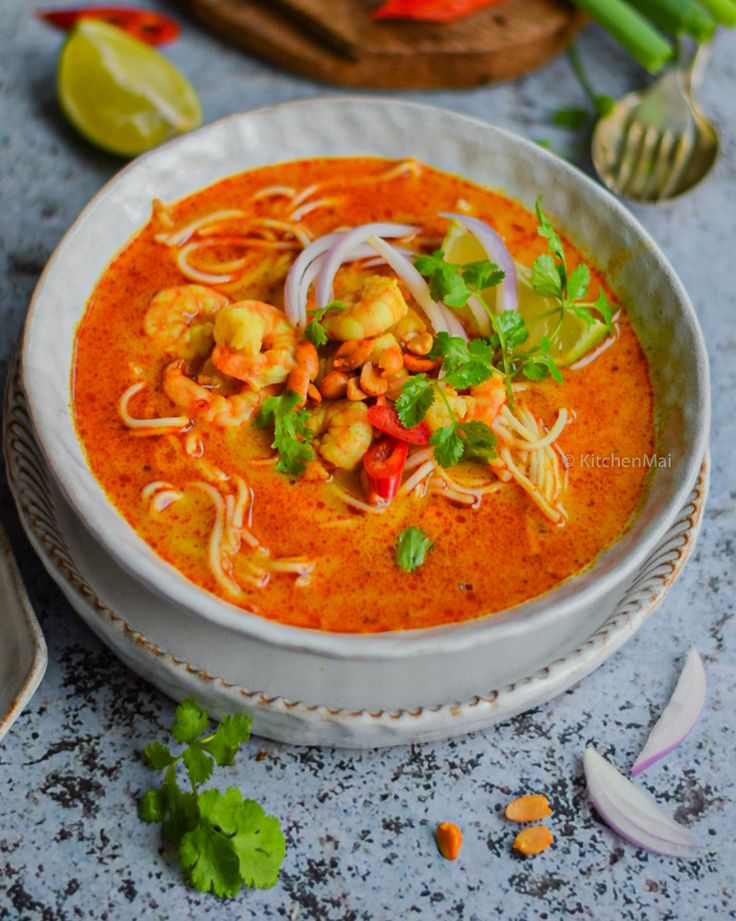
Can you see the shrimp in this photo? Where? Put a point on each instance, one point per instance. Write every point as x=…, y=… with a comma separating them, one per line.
x=255, y=344
x=438, y=416
x=170, y=318
x=198, y=401
x=345, y=430
x=486, y=400
x=381, y=305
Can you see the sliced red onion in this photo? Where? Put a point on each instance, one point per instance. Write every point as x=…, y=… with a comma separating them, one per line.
x=497, y=252
x=294, y=305
x=632, y=813
x=306, y=268
x=679, y=716
x=342, y=247
x=417, y=286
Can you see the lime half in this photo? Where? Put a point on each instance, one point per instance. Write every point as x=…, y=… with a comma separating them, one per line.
x=121, y=94
x=573, y=339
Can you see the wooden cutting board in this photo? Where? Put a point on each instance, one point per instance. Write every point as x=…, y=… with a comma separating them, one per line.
x=337, y=41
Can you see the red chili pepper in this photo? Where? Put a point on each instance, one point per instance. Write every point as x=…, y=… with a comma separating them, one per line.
x=430, y=10
x=384, y=463
x=146, y=26
x=386, y=419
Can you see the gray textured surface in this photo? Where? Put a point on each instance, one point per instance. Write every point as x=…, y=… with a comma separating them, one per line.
x=359, y=824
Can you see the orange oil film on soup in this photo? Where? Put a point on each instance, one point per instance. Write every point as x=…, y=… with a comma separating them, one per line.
x=483, y=559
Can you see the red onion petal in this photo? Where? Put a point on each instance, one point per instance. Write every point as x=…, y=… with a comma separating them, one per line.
x=417, y=286
x=631, y=812
x=497, y=252
x=294, y=304
x=341, y=249
x=679, y=716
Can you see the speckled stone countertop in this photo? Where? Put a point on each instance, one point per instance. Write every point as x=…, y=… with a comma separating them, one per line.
x=359, y=824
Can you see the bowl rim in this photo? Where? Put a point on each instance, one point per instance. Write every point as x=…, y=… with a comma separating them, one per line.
x=165, y=579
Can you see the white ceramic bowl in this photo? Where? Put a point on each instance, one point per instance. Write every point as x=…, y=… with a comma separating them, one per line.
x=408, y=668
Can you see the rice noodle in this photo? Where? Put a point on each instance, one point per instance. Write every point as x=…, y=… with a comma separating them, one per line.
x=162, y=500
x=356, y=503
x=214, y=550
x=155, y=426
x=298, y=213
x=304, y=195
x=539, y=499
x=189, y=271
x=417, y=457
x=181, y=236
x=295, y=230
x=416, y=478
x=274, y=191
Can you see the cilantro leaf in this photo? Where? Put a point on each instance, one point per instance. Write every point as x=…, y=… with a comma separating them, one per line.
x=180, y=808
x=198, y=763
x=230, y=734
x=315, y=331
x=464, y=364
x=546, y=230
x=190, y=721
x=158, y=755
x=210, y=861
x=292, y=439
x=605, y=310
x=412, y=549
x=259, y=845
x=546, y=279
x=482, y=275
x=446, y=282
x=448, y=445
x=151, y=807
x=572, y=117
x=540, y=364
x=416, y=396
x=511, y=324
x=480, y=442
x=578, y=282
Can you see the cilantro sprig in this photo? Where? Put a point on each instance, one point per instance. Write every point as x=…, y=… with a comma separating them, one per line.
x=466, y=365
x=292, y=439
x=222, y=839
x=315, y=330
x=452, y=442
x=412, y=549
x=551, y=278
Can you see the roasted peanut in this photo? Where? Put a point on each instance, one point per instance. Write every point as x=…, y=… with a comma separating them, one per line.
x=391, y=361
x=354, y=392
x=333, y=385
x=417, y=365
x=449, y=840
x=395, y=383
x=371, y=382
x=420, y=343
x=352, y=354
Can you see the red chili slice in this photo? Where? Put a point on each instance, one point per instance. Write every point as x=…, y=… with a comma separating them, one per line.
x=146, y=26
x=384, y=464
x=386, y=419
x=430, y=10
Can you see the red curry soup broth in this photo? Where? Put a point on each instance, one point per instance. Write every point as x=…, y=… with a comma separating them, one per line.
x=290, y=548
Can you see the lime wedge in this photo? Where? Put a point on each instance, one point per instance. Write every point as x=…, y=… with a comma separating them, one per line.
x=574, y=338
x=121, y=94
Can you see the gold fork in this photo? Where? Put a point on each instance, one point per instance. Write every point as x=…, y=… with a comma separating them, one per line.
x=657, y=144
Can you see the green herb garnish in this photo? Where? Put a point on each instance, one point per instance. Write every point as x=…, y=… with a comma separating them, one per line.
x=315, y=331
x=223, y=840
x=412, y=549
x=550, y=278
x=292, y=439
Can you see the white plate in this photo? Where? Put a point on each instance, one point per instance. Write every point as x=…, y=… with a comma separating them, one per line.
x=23, y=654
x=207, y=661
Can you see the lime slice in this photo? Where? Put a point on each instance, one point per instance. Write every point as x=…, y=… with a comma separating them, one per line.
x=574, y=338
x=121, y=94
